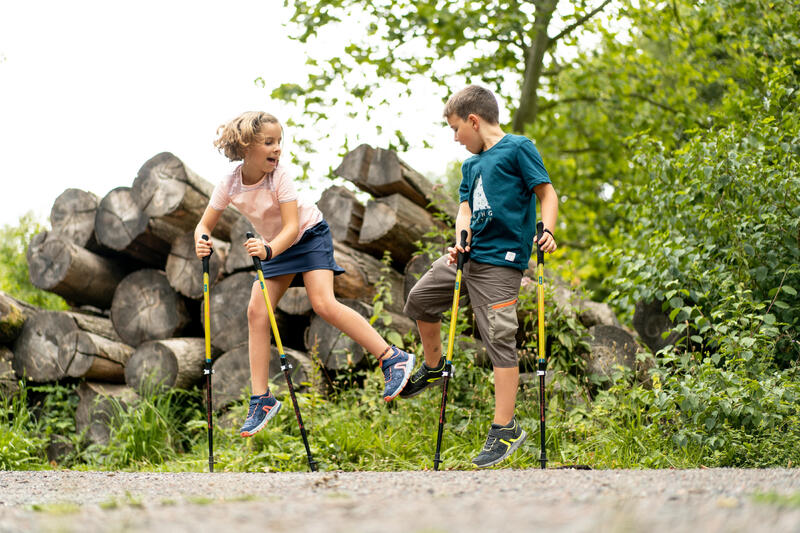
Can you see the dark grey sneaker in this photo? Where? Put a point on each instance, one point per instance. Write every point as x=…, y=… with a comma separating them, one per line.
x=501, y=442
x=422, y=379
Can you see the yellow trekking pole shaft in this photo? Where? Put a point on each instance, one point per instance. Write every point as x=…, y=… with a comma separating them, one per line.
x=542, y=367
x=285, y=366
x=448, y=366
x=207, y=370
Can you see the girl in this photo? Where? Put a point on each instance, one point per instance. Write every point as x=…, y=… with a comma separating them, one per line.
x=296, y=241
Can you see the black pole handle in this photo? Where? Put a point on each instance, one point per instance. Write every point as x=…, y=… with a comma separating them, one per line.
x=205, y=259
x=539, y=251
x=462, y=256
x=256, y=260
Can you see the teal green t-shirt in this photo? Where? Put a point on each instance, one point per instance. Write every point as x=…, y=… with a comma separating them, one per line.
x=498, y=184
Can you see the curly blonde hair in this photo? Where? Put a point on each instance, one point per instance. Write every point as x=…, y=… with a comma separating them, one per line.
x=234, y=137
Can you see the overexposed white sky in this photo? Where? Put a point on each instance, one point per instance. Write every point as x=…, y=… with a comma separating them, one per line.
x=89, y=90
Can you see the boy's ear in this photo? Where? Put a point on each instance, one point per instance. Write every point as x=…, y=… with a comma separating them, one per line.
x=474, y=120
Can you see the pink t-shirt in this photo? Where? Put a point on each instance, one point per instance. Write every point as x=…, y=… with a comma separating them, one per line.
x=260, y=202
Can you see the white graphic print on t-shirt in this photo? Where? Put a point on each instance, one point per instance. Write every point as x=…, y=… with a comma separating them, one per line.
x=481, y=210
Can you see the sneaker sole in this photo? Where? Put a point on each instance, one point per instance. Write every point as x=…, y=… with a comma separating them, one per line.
x=406, y=377
x=420, y=391
x=272, y=412
x=511, y=449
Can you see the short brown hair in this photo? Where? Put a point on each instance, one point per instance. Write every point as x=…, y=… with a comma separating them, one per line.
x=473, y=99
x=235, y=136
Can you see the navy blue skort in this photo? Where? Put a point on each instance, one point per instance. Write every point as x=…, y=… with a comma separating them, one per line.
x=314, y=251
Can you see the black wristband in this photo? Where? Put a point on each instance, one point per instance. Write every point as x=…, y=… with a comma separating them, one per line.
x=268, y=250
x=550, y=232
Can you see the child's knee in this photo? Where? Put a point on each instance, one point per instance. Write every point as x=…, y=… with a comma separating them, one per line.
x=256, y=311
x=325, y=307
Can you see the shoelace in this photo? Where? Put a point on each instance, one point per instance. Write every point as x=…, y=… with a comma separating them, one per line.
x=490, y=440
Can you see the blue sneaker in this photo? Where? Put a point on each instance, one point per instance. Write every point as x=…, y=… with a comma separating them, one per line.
x=396, y=371
x=262, y=409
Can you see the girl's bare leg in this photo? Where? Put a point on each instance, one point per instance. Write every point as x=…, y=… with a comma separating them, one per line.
x=319, y=286
x=259, y=328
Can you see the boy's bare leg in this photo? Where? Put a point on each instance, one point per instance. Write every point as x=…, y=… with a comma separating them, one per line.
x=319, y=286
x=430, y=333
x=506, y=382
x=260, y=332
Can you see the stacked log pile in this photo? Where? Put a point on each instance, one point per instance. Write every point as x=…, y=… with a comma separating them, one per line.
x=125, y=264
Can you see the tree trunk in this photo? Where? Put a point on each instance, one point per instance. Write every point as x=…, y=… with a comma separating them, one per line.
x=36, y=349
x=415, y=269
x=96, y=408
x=12, y=318
x=170, y=363
x=122, y=226
x=344, y=214
x=166, y=188
x=9, y=382
x=145, y=308
x=87, y=355
x=295, y=301
x=238, y=258
x=610, y=346
x=185, y=271
x=395, y=224
x=232, y=374
x=651, y=323
x=363, y=274
x=381, y=173
x=72, y=217
x=336, y=350
x=74, y=273
x=229, y=300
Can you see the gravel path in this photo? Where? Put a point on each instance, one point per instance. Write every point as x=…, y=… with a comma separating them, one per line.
x=709, y=500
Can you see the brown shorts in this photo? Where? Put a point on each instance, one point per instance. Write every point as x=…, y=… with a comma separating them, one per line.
x=492, y=291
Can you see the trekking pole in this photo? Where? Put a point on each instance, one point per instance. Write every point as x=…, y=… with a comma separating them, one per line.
x=448, y=365
x=207, y=371
x=542, y=370
x=285, y=365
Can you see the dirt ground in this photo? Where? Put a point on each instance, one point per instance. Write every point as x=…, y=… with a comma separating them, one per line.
x=708, y=500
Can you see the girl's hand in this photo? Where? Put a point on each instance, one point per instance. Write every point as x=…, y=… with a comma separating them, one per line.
x=453, y=252
x=256, y=248
x=202, y=248
x=548, y=243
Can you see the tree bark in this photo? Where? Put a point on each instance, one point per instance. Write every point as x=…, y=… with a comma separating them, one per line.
x=344, y=214
x=87, y=355
x=381, y=173
x=9, y=382
x=295, y=301
x=166, y=188
x=415, y=269
x=232, y=374
x=395, y=224
x=185, y=271
x=72, y=218
x=36, y=349
x=363, y=272
x=96, y=407
x=122, y=226
x=145, y=308
x=12, y=318
x=74, y=273
x=169, y=363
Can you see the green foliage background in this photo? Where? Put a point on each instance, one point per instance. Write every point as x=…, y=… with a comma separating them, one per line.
x=674, y=143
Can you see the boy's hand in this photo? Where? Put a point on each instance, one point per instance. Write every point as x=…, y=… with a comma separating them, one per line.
x=202, y=248
x=257, y=248
x=453, y=253
x=548, y=244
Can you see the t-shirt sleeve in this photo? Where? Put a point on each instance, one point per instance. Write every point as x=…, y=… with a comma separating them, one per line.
x=284, y=186
x=220, y=197
x=530, y=165
x=463, y=188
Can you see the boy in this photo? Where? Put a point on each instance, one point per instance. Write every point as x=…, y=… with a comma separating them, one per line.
x=498, y=210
